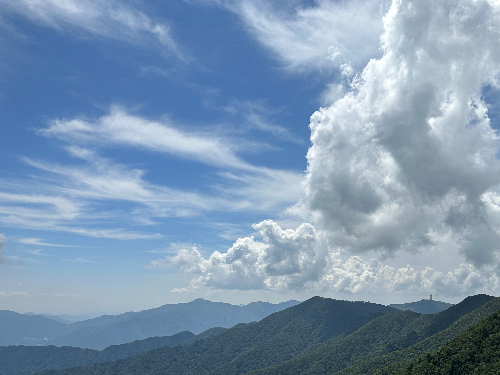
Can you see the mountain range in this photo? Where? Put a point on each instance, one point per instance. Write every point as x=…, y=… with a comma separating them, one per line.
x=196, y=316
x=318, y=336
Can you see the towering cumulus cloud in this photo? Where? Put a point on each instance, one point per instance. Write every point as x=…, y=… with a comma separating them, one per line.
x=406, y=161
x=409, y=154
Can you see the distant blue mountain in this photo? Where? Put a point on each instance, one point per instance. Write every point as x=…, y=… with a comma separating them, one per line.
x=98, y=333
x=196, y=316
x=20, y=329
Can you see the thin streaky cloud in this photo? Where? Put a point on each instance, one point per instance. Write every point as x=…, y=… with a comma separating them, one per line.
x=120, y=127
x=43, y=206
x=37, y=252
x=318, y=38
x=54, y=213
x=255, y=114
x=103, y=179
x=116, y=234
x=39, y=242
x=104, y=18
x=83, y=260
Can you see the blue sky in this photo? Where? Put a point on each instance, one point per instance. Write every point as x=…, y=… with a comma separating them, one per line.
x=145, y=142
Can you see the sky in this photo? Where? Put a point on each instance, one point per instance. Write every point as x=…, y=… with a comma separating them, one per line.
x=156, y=152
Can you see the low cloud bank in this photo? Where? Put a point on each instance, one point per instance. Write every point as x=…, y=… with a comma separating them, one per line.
x=304, y=260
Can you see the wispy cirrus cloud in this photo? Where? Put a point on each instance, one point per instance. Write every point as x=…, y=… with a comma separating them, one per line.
x=103, y=18
x=36, y=209
x=121, y=128
x=116, y=234
x=309, y=38
x=39, y=242
x=244, y=186
x=54, y=212
x=256, y=115
x=102, y=179
x=70, y=192
x=37, y=252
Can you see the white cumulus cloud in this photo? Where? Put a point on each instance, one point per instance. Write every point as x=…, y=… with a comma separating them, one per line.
x=305, y=260
x=410, y=150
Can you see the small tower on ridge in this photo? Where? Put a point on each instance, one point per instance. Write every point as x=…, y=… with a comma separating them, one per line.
x=430, y=299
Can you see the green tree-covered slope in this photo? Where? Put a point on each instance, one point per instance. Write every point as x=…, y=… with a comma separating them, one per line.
x=387, y=364
x=389, y=333
x=475, y=351
x=24, y=360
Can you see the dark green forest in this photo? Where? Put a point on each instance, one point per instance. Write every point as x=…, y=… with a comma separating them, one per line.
x=24, y=360
x=476, y=351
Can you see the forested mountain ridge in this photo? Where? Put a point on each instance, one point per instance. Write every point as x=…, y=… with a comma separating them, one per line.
x=386, y=364
x=24, y=360
x=389, y=333
x=246, y=347
x=475, y=351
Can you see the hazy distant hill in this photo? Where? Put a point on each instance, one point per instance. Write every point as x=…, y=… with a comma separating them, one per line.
x=101, y=321
x=62, y=318
x=196, y=316
x=98, y=333
x=24, y=360
x=57, y=318
x=319, y=336
x=20, y=329
x=424, y=306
